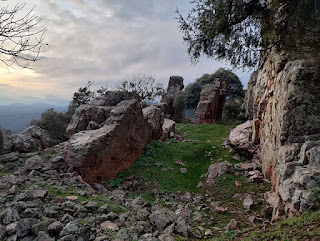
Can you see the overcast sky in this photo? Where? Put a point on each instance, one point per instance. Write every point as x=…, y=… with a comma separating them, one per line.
x=105, y=41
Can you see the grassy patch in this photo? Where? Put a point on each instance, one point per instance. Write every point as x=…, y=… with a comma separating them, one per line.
x=305, y=227
x=201, y=148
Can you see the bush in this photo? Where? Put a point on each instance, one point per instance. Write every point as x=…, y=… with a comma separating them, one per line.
x=143, y=87
x=55, y=123
x=233, y=111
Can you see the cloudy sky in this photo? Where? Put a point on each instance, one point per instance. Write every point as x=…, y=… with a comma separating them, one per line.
x=105, y=41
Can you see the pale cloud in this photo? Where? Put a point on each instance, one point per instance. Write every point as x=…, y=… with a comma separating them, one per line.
x=107, y=41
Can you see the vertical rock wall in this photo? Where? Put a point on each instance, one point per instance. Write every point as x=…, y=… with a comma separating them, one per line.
x=286, y=111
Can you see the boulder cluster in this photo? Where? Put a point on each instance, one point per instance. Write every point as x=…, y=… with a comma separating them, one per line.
x=31, y=139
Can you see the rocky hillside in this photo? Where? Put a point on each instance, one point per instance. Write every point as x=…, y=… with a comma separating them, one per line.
x=186, y=188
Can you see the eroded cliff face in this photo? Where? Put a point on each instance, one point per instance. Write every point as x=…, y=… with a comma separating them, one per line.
x=286, y=116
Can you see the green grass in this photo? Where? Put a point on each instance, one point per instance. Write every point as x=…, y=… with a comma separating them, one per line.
x=305, y=227
x=201, y=148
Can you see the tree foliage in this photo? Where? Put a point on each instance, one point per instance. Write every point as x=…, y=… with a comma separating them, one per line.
x=192, y=91
x=238, y=30
x=143, y=87
x=55, y=123
x=20, y=40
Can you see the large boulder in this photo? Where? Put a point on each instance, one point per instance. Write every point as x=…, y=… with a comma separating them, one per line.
x=31, y=139
x=97, y=110
x=242, y=134
x=5, y=141
x=175, y=86
x=286, y=117
x=212, y=99
x=99, y=155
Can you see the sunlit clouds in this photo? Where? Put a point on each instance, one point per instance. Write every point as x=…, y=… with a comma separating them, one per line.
x=104, y=41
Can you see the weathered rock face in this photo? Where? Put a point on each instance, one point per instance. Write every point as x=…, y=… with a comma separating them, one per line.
x=248, y=99
x=175, y=86
x=31, y=139
x=99, y=155
x=212, y=99
x=286, y=116
x=242, y=134
x=96, y=110
x=169, y=128
x=5, y=141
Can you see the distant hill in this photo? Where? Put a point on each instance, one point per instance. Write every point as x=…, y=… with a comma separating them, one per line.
x=16, y=117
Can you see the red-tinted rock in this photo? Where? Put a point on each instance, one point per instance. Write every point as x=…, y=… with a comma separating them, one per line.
x=99, y=155
x=212, y=100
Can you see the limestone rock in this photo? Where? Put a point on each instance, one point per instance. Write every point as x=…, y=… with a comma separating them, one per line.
x=286, y=120
x=169, y=128
x=31, y=139
x=212, y=100
x=216, y=170
x=5, y=141
x=96, y=110
x=161, y=218
x=175, y=86
x=99, y=155
x=242, y=134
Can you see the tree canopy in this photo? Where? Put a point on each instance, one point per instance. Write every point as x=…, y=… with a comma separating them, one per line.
x=192, y=92
x=239, y=30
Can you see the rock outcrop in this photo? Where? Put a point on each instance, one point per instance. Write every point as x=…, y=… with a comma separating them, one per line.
x=168, y=128
x=242, y=134
x=5, y=141
x=99, y=155
x=286, y=111
x=95, y=112
x=212, y=100
x=31, y=139
x=175, y=87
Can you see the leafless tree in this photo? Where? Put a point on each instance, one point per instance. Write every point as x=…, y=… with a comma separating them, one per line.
x=20, y=37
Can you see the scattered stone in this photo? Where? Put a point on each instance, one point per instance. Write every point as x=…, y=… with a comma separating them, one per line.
x=70, y=228
x=109, y=225
x=242, y=134
x=183, y=170
x=248, y=203
x=238, y=184
x=178, y=162
x=38, y=193
x=216, y=170
x=55, y=228
x=10, y=215
x=252, y=219
x=161, y=217
x=208, y=232
x=232, y=225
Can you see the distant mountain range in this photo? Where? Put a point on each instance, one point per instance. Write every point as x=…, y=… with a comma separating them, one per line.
x=16, y=117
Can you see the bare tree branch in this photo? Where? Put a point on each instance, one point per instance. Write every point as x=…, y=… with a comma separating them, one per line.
x=20, y=41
